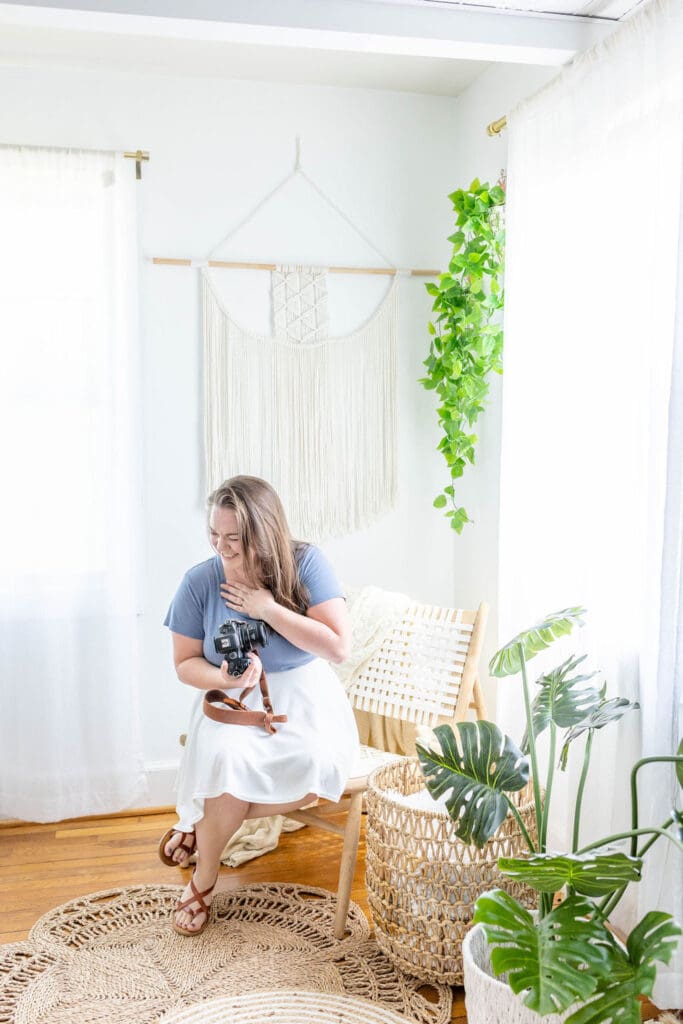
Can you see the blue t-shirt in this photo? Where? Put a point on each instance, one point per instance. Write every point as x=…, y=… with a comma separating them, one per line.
x=197, y=610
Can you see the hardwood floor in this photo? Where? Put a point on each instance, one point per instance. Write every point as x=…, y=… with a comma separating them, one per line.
x=45, y=865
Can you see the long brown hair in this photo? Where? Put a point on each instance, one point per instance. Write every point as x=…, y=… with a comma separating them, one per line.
x=268, y=548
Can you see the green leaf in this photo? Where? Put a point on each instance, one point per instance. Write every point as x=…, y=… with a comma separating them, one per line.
x=679, y=765
x=439, y=501
x=556, y=961
x=459, y=519
x=655, y=938
x=678, y=822
x=591, y=874
x=562, y=699
x=458, y=240
x=631, y=972
x=506, y=661
x=607, y=711
x=478, y=768
x=469, y=345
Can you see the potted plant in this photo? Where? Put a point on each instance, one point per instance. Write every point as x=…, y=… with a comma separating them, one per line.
x=466, y=337
x=564, y=959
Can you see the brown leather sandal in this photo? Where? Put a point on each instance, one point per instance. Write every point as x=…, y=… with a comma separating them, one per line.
x=197, y=897
x=182, y=845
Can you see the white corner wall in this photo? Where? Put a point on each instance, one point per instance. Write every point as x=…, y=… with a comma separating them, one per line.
x=498, y=90
x=217, y=147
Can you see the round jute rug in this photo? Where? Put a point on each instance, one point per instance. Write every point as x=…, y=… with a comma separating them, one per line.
x=285, y=1008
x=112, y=956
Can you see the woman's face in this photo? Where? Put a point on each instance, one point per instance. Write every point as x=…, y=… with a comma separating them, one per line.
x=225, y=538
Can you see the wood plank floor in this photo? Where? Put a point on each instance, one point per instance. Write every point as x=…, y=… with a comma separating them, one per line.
x=42, y=866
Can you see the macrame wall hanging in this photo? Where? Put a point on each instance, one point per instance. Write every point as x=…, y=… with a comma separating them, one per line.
x=325, y=436
x=324, y=433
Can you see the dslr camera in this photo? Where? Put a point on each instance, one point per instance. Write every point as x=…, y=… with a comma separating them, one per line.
x=234, y=641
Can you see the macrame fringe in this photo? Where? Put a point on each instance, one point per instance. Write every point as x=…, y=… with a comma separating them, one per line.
x=318, y=420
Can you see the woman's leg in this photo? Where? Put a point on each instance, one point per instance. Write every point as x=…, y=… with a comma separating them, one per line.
x=223, y=815
x=264, y=810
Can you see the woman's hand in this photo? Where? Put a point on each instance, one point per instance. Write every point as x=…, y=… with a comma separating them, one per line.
x=255, y=603
x=249, y=678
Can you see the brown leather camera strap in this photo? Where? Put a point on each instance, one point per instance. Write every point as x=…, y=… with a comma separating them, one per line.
x=235, y=712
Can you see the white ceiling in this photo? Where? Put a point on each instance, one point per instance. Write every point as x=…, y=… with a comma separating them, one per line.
x=436, y=47
x=30, y=46
x=613, y=9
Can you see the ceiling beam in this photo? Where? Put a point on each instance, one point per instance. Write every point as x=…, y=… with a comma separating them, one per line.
x=359, y=26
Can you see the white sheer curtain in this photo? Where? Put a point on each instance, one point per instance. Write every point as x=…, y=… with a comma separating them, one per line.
x=593, y=231
x=69, y=732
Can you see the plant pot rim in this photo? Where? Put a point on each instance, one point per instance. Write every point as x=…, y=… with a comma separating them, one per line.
x=467, y=952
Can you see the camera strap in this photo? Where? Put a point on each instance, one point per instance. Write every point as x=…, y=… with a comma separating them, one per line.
x=234, y=712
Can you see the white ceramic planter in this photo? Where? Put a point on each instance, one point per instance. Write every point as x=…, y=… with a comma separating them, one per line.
x=489, y=1000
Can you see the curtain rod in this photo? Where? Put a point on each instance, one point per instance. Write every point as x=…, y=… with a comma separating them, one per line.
x=389, y=271
x=138, y=156
x=496, y=127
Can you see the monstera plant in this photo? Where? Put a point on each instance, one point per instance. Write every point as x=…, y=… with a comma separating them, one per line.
x=564, y=957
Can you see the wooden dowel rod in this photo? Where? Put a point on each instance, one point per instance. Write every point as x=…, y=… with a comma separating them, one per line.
x=387, y=271
x=316, y=821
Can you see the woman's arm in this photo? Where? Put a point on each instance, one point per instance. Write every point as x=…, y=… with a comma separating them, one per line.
x=325, y=629
x=192, y=667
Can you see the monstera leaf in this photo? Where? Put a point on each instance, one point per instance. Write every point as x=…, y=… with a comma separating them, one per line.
x=562, y=699
x=631, y=972
x=506, y=662
x=555, y=961
x=677, y=817
x=478, y=768
x=591, y=874
x=607, y=711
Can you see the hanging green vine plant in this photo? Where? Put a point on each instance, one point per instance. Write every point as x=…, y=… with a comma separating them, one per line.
x=467, y=337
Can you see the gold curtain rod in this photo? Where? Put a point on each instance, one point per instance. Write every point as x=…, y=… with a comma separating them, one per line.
x=139, y=155
x=389, y=271
x=496, y=127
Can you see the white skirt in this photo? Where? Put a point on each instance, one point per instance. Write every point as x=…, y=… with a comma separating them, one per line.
x=312, y=752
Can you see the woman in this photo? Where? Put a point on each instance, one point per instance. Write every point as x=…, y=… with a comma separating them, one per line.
x=231, y=772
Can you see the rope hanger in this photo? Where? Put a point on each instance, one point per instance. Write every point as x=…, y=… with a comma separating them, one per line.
x=296, y=172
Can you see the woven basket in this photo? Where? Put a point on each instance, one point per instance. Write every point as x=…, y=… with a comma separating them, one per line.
x=423, y=881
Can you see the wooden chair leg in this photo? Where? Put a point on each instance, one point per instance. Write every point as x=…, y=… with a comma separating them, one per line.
x=348, y=863
x=479, y=701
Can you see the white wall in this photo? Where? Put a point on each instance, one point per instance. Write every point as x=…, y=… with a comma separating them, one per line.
x=389, y=160
x=216, y=148
x=479, y=155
